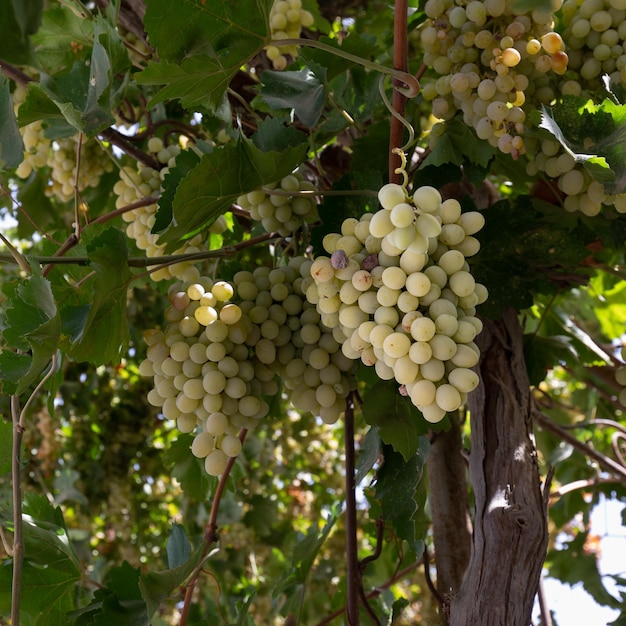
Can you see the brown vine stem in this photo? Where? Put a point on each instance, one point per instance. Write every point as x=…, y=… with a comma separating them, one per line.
x=19, y=426
x=123, y=143
x=210, y=534
x=606, y=462
x=353, y=574
x=400, y=62
x=375, y=592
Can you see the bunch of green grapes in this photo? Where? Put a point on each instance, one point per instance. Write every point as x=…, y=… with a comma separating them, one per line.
x=580, y=190
x=595, y=35
x=287, y=17
x=68, y=174
x=145, y=182
x=204, y=375
x=223, y=348
x=281, y=212
x=36, y=144
x=293, y=342
x=397, y=292
x=492, y=61
x=620, y=377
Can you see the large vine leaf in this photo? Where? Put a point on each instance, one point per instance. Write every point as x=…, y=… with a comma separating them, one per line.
x=222, y=175
x=32, y=324
x=62, y=38
x=399, y=423
x=11, y=144
x=100, y=329
x=396, y=488
x=157, y=586
x=52, y=569
x=17, y=22
x=213, y=40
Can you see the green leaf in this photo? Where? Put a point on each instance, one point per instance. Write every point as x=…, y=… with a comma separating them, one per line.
x=396, y=488
x=543, y=353
x=157, y=586
x=303, y=91
x=262, y=514
x=177, y=547
x=11, y=144
x=62, y=38
x=368, y=455
x=52, y=569
x=32, y=322
x=103, y=336
x=224, y=174
x=185, y=162
x=304, y=554
x=458, y=145
x=213, y=40
x=118, y=602
x=15, y=45
x=399, y=422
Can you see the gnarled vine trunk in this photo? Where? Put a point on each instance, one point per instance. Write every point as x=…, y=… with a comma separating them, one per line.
x=510, y=525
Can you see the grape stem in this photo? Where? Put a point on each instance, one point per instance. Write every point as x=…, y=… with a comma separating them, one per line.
x=412, y=84
x=210, y=533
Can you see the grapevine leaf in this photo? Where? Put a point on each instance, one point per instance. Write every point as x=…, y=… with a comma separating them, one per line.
x=459, y=145
x=369, y=454
x=37, y=106
x=15, y=44
x=103, y=335
x=6, y=440
x=118, y=602
x=32, y=323
x=396, y=488
x=573, y=564
x=185, y=162
x=213, y=40
x=261, y=515
x=543, y=353
x=222, y=175
x=28, y=15
x=62, y=38
x=11, y=144
x=52, y=569
x=177, y=547
x=399, y=423
x=303, y=91
x=157, y=586
x=293, y=580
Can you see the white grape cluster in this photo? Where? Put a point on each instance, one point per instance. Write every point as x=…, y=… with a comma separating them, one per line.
x=620, y=377
x=489, y=58
x=595, y=34
x=224, y=346
x=145, y=182
x=281, y=212
x=581, y=191
x=398, y=294
x=63, y=163
x=293, y=342
x=287, y=17
x=204, y=376
x=36, y=144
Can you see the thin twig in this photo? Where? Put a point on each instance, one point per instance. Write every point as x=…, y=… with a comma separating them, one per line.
x=353, y=574
x=429, y=581
x=546, y=618
x=18, y=538
x=607, y=463
x=123, y=143
x=210, y=534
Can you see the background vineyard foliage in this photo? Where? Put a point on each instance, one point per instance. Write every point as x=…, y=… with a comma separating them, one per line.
x=104, y=468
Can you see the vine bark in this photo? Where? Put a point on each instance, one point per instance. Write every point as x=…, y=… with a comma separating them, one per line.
x=510, y=523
